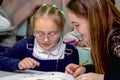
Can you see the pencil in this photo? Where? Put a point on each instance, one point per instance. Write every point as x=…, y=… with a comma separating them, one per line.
x=80, y=65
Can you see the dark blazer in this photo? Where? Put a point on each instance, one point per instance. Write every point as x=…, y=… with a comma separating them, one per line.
x=24, y=48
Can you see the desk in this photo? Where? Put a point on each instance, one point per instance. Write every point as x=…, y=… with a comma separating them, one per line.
x=4, y=73
x=35, y=75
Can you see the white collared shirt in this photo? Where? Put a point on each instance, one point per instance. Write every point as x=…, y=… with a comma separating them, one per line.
x=55, y=53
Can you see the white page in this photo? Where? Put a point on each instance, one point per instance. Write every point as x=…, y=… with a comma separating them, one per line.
x=38, y=75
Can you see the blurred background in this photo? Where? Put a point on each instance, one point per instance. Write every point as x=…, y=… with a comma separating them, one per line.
x=16, y=18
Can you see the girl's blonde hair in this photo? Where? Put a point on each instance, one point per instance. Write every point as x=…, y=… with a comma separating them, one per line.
x=49, y=12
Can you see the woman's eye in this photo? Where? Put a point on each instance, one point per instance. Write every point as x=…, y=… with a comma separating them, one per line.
x=77, y=25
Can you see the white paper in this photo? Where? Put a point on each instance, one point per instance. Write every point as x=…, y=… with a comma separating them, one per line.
x=38, y=75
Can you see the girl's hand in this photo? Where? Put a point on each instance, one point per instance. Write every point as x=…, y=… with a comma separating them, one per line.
x=90, y=76
x=70, y=69
x=28, y=63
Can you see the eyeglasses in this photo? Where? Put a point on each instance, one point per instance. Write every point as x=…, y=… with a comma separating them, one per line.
x=51, y=35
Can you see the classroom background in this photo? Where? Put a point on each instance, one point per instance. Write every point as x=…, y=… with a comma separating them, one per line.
x=17, y=15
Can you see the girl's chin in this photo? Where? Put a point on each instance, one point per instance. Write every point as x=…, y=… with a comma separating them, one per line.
x=47, y=47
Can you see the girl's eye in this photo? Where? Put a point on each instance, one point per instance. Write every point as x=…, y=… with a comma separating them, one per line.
x=52, y=34
x=40, y=34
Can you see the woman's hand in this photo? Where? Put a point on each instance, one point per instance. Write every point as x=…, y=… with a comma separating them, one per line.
x=70, y=69
x=28, y=63
x=90, y=76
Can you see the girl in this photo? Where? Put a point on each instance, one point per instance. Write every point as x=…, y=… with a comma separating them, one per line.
x=45, y=51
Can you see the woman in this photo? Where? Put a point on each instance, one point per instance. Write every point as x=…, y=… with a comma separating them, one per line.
x=104, y=37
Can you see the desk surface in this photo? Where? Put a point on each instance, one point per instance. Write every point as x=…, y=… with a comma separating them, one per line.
x=35, y=75
x=4, y=73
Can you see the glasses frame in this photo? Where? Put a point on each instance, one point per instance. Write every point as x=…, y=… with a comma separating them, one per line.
x=49, y=36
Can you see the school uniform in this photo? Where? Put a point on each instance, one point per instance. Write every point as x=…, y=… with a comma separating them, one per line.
x=56, y=59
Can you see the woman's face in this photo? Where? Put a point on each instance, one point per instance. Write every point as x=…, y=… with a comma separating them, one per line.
x=81, y=25
x=46, y=33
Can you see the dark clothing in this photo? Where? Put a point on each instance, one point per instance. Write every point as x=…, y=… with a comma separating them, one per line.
x=1, y=2
x=24, y=48
x=89, y=68
x=3, y=48
x=114, y=52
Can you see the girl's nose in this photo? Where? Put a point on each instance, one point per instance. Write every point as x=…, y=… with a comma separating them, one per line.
x=46, y=39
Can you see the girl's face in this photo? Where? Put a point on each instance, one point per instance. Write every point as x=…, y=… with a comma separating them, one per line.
x=81, y=25
x=47, y=33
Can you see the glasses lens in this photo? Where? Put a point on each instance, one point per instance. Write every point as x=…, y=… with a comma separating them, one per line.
x=51, y=35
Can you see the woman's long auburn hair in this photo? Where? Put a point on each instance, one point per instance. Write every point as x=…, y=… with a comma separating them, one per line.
x=102, y=14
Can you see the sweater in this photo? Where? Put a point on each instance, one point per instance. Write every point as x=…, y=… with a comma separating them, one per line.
x=114, y=51
x=24, y=48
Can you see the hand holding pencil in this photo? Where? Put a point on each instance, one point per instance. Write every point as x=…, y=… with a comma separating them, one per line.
x=75, y=69
x=82, y=64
